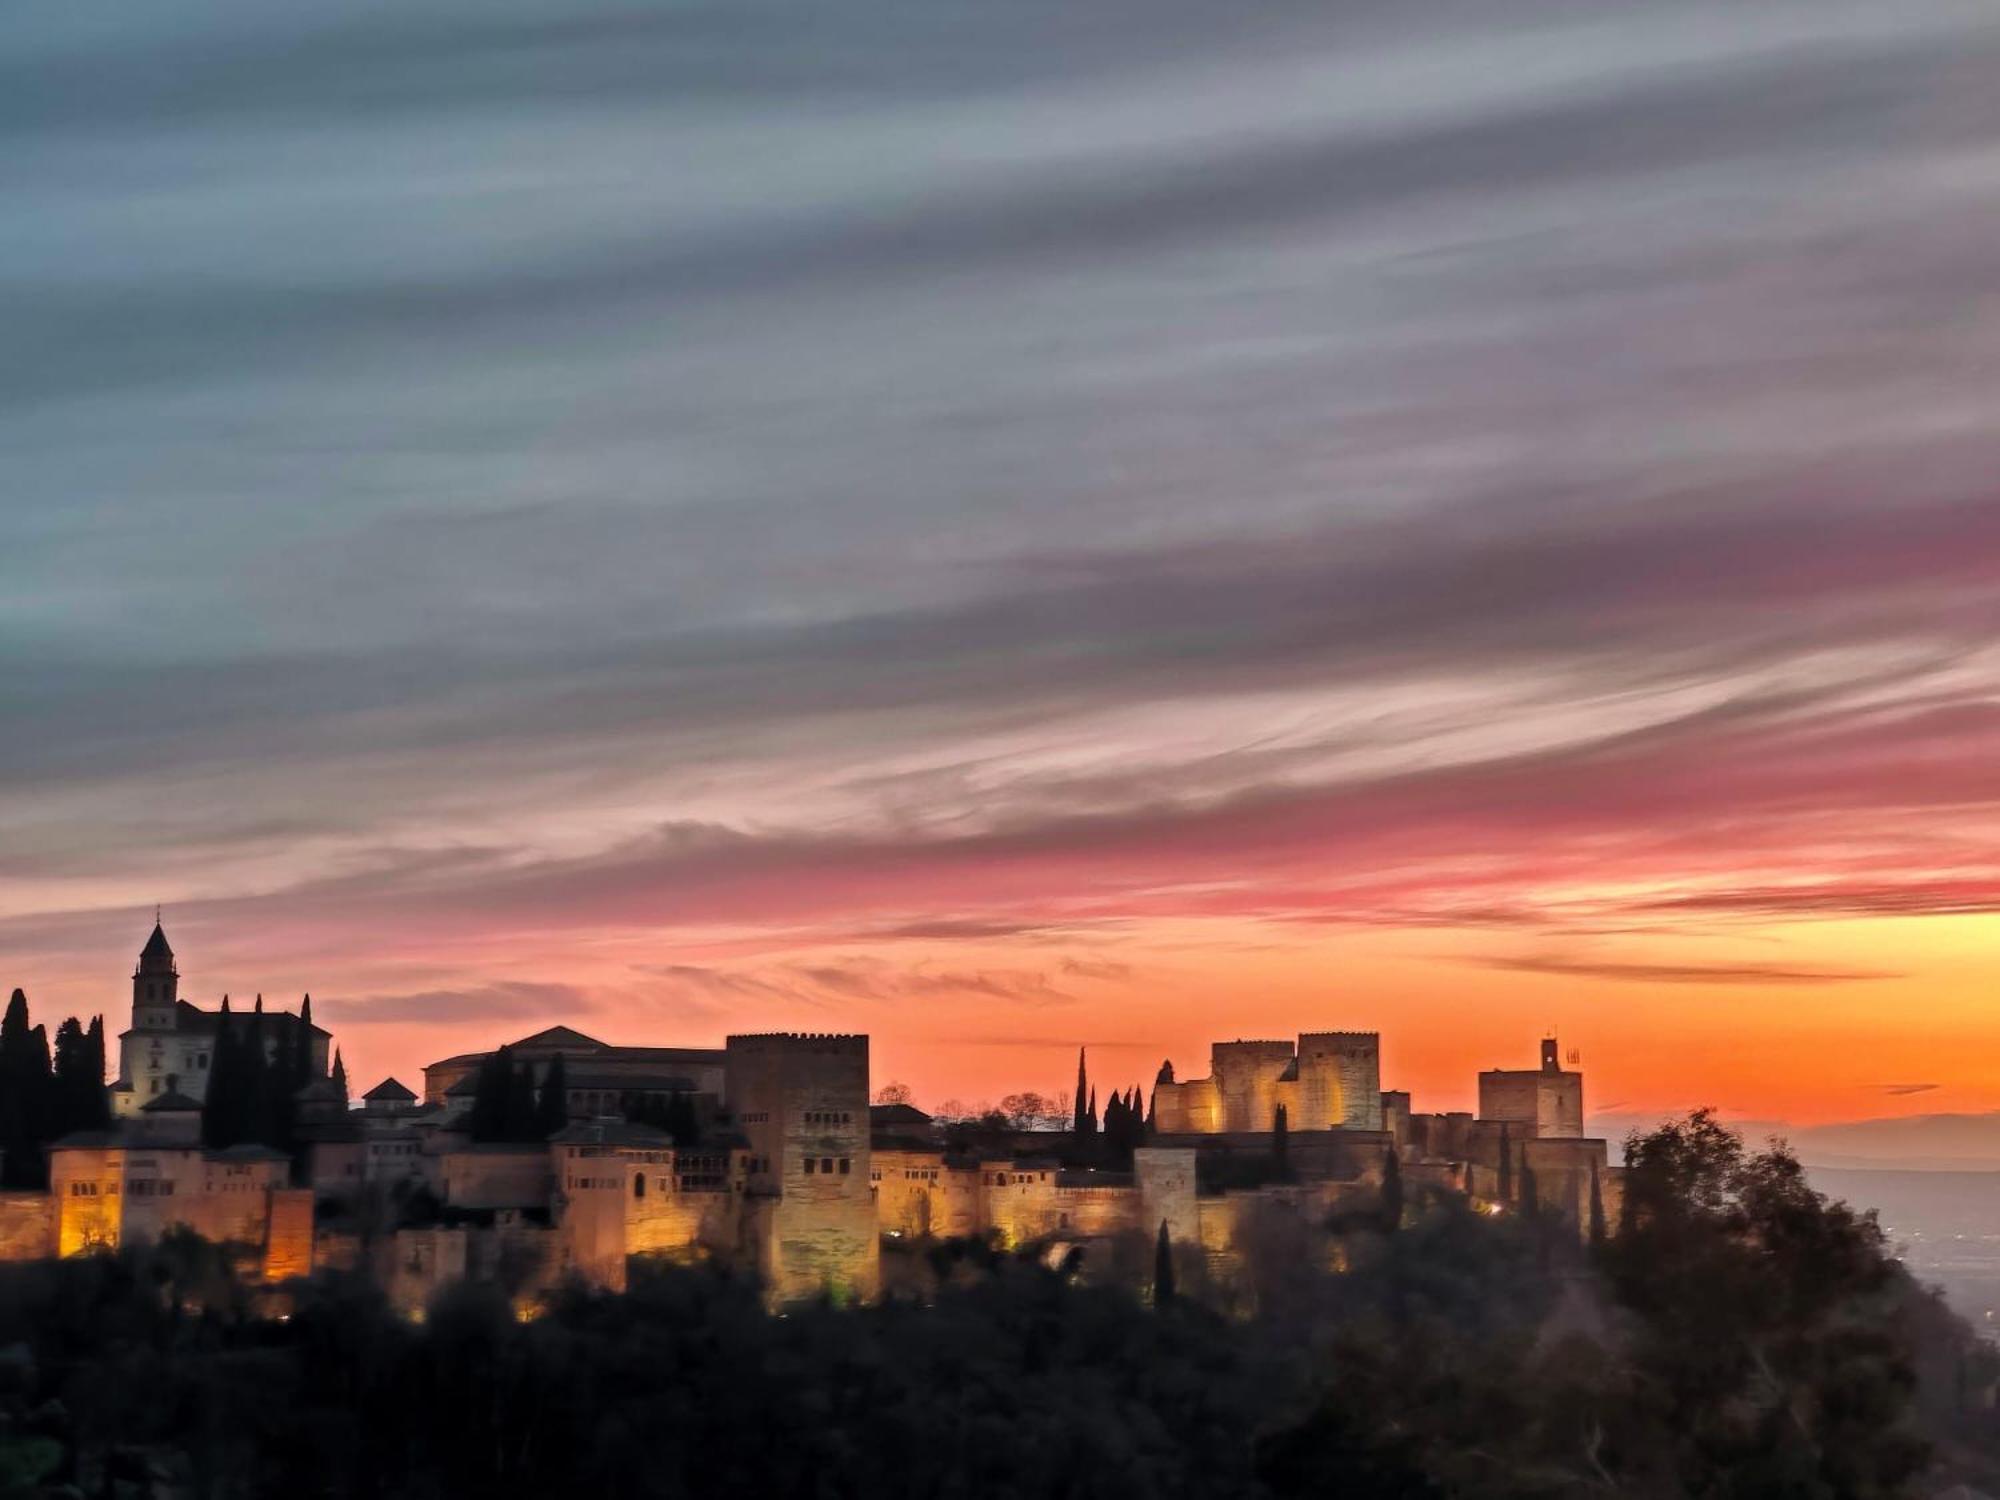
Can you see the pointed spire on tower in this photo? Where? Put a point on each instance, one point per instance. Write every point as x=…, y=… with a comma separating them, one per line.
x=306, y=1010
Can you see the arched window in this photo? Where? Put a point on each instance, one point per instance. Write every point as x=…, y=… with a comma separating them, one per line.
x=639, y=1186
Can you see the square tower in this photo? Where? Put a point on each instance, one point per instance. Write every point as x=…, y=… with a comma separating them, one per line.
x=801, y=1099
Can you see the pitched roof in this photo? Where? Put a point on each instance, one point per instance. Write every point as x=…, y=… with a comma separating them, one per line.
x=156, y=946
x=559, y=1036
x=895, y=1116
x=248, y=1151
x=388, y=1091
x=611, y=1133
x=172, y=1101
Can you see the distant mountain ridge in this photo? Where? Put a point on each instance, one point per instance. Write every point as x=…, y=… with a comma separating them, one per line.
x=1909, y=1143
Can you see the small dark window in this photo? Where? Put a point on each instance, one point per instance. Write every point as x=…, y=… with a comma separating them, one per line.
x=809, y=1166
x=639, y=1186
x=846, y=1165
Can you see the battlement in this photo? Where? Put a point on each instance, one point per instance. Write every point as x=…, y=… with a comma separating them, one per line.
x=836, y=1042
x=1340, y=1040
x=1250, y=1048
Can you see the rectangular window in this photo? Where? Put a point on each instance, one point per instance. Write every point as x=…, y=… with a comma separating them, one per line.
x=846, y=1163
x=809, y=1166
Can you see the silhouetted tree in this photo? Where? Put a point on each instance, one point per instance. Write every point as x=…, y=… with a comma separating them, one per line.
x=1281, y=1142
x=78, y=1101
x=339, y=1077
x=1084, y=1124
x=680, y=1121
x=1506, y=1166
x=225, y=1102
x=1392, y=1191
x=26, y=1097
x=492, y=1088
x=1596, y=1211
x=552, y=1112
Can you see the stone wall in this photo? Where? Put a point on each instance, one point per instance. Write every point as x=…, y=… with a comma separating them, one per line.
x=27, y=1226
x=802, y=1101
x=1246, y=1077
x=1339, y=1081
x=288, y=1241
x=1548, y=1103
x=497, y=1176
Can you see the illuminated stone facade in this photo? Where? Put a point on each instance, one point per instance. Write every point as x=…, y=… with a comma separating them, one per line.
x=783, y=1173
x=801, y=1103
x=1326, y=1080
x=1544, y=1101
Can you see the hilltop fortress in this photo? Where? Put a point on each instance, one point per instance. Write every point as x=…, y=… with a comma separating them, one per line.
x=765, y=1153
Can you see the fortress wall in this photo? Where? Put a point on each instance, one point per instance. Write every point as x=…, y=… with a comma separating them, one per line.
x=1246, y=1077
x=1548, y=1103
x=909, y=1192
x=675, y=1216
x=421, y=1261
x=288, y=1236
x=1096, y=1210
x=27, y=1226
x=1194, y=1106
x=87, y=1186
x=1396, y=1116
x=1167, y=1191
x=1019, y=1202
x=960, y=1209
x=1562, y=1169
x=497, y=1177
x=1340, y=1077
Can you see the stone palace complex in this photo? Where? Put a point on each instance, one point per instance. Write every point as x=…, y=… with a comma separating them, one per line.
x=765, y=1153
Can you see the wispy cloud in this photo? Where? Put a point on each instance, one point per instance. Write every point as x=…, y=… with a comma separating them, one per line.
x=1685, y=973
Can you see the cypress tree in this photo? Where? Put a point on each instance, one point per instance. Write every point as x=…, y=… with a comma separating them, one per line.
x=680, y=1122
x=1596, y=1211
x=1392, y=1191
x=339, y=1077
x=1506, y=1166
x=25, y=1085
x=100, y=1115
x=220, y=1104
x=259, y=1081
x=77, y=1100
x=1531, y=1201
x=1090, y=1115
x=522, y=1119
x=1281, y=1142
x=1080, y=1126
x=552, y=1109
x=1163, y=1268
x=490, y=1090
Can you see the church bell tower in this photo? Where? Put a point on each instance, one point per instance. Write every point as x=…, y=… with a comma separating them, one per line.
x=156, y=984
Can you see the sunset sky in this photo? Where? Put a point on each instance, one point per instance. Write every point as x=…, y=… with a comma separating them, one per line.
x=1004, y=526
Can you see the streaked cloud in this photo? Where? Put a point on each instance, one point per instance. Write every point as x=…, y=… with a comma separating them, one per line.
x=742, y=511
